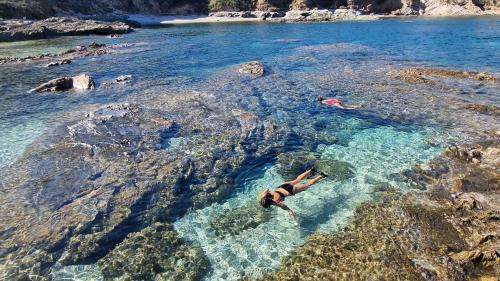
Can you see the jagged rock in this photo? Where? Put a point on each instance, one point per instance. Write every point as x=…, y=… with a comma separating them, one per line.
x=254, y=68
x=235, y=221
x=58, y=63
x=80, y=82
x=155, y=253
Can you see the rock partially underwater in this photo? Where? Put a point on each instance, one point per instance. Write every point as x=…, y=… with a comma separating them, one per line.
x=253, y=68
x=117, y=169
x=450, y=232
x=79, y=82
x=65, y=57
x=424, y=75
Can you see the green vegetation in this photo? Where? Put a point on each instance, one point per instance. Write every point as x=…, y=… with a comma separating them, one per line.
x=231, y=5
x=25, y=8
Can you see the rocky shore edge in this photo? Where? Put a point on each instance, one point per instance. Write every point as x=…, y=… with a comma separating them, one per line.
x=18, y=30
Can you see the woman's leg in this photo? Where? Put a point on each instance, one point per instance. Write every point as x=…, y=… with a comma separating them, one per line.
x=300, y=178
x=301, y=187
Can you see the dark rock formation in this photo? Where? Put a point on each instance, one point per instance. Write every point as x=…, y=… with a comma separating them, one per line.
x=254, y=68
x=117, y=169
x=27, y=30
x=80, y=82
x=58, y=63
x=155, y=253
x=441, y=234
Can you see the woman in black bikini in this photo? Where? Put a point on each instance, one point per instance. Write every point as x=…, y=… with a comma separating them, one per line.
x=266, y=198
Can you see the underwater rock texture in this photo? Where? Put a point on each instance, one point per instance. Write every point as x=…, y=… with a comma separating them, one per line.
x=450, y=232
x=235, y=221
x=155, y=253
x=116, y=169
x=425, y=75
x=292, y=164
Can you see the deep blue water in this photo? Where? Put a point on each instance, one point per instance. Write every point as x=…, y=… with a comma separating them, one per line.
x=399, y=126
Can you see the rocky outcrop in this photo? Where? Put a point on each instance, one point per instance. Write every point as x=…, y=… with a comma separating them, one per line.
x=450, y=232
x=79, y=82
x=155, y=253
x=117, y=169
x=68, y=56
x=27, y=30
x=253, y=68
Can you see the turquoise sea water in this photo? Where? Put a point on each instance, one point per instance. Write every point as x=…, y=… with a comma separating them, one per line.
x=399, y=126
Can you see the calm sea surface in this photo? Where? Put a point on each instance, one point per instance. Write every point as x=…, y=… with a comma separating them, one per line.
x=398, y=127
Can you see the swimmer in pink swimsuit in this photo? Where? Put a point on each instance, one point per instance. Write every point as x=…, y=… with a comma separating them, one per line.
x=335, y=102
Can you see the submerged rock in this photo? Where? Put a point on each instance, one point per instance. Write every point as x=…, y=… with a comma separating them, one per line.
x=433, y=235
x=422, y=75
x=235, y=221
x=484, y=108
x=254, y=68
x=113, y=170
x=291, y=164
x=80, y=82
x=155, y=253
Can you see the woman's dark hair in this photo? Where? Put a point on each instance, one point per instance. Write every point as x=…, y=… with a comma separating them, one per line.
x=265, y=201
x=320, y=98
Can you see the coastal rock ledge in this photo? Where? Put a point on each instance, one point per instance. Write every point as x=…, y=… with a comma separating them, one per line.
x=16, y=30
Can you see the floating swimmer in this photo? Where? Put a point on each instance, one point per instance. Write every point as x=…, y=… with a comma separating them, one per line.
x=336, y=102
x=267, y=198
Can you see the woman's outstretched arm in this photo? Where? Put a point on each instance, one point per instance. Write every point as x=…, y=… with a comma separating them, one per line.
x=291, y=213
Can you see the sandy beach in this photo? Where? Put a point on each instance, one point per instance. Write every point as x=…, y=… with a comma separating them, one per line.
x=152, y=20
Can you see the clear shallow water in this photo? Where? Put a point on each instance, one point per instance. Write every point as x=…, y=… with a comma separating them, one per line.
x=399, y=126
x=376, y=154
